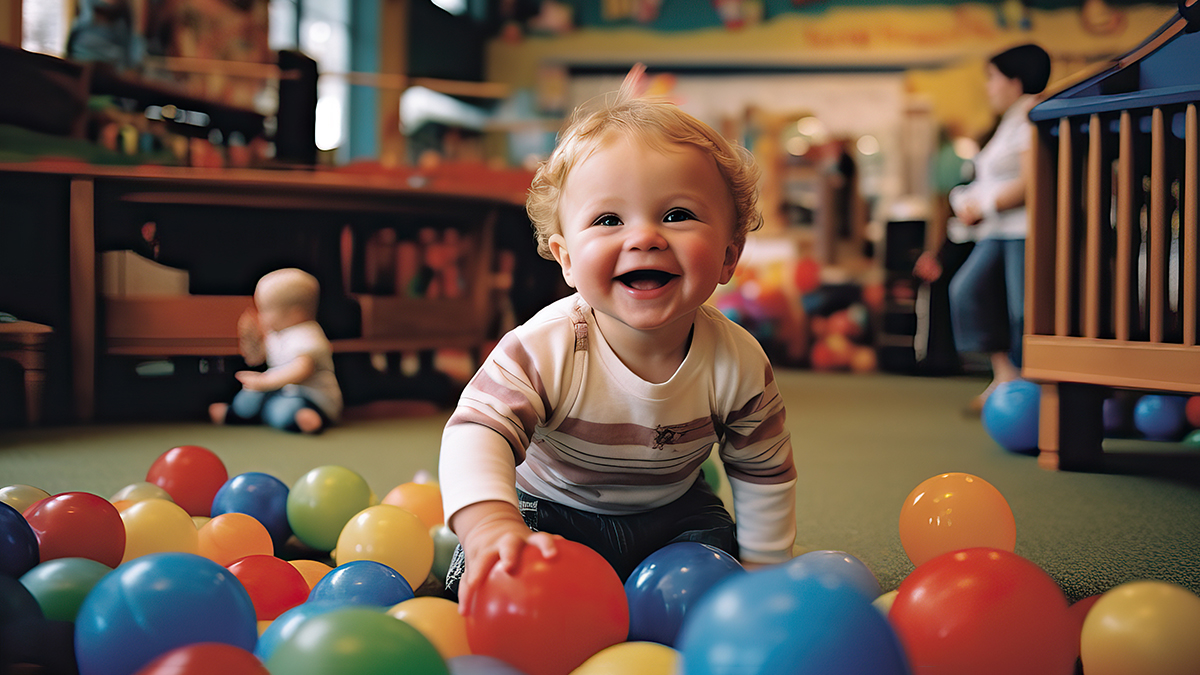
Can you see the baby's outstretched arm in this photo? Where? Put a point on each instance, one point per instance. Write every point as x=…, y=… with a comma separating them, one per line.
x=493, y=533
x=296, y=371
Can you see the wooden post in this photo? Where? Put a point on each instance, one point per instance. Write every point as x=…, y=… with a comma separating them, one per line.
x=393, y=59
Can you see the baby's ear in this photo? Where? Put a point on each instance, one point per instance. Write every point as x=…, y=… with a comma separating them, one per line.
x=558, y=249
x=733, y=253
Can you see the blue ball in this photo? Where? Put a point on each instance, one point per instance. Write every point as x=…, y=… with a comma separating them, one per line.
x=765, y=623
x=362, y=582
x=1010, y=415
x=259, y=495
x=18, y=543
x=155, y=603
x=669, y=582
x=1161, y=418
x=842, y=565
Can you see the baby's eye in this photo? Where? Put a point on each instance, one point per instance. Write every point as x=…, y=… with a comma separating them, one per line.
x=678, y=215
x=607, y=220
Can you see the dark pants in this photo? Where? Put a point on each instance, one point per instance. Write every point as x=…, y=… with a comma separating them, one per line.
x=987, y=299
x=626, y=540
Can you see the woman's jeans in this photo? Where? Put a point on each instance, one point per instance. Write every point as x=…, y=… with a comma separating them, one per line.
x=987, y=299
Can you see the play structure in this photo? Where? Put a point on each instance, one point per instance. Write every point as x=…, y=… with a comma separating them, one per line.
x=1111, y=296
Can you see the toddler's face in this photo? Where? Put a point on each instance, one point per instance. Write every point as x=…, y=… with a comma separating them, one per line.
x=647, y=232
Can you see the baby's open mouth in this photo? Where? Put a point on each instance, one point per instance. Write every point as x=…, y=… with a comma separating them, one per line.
x=646, y=280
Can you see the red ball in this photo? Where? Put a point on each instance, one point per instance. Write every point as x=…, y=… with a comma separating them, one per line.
x=984, y=611
x=78, y=525
x=274, y=585
x=203, y=658
x=192, y=475
x=1191, y=410
x=552, y=614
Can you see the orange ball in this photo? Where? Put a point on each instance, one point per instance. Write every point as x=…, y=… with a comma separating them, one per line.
x=952, y=512
x=231, y=536
x=439, y=620
x=424, y=500
x=312, y=570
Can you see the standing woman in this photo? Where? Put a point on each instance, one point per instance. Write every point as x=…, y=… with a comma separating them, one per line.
x=987, y=294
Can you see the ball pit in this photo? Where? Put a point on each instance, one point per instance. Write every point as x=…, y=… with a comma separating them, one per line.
x=965, y=608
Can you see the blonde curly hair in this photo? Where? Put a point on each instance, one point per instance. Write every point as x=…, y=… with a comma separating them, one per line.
x=652, y=120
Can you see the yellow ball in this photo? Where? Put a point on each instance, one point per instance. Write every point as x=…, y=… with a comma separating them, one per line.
x=438, y=620
x=631, y=658
x=157, y=526
x=1142, y=627
x=390, y=535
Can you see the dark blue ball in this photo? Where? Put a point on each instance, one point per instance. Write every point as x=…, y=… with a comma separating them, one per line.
x=18, y=543
x=362, y=582
x=668, y=583
x=1010, y=415
x=260, y=495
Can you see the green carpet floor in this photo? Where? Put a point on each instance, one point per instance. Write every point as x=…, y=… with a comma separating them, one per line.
x=862, y=443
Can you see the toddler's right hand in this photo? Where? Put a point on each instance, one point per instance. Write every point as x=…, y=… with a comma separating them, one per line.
x=497, y=540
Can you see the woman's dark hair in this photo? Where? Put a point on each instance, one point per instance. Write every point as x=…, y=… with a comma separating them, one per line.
x=1028, y=63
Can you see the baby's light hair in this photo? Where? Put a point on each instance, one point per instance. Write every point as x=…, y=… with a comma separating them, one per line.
x=290, y=287
x=651, y=120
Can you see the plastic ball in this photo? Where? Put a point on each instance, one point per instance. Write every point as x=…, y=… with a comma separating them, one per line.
x=444, y=543
x=390, y=535
x=668, y=583
x=356, y=640
x=1192, y=439
x=438, y=620
x=631, y=658
x=158, y=526
x=362, y=582
x=60, y=585
x=18, y=543
x=259, y=495
x=476, y=664
x=321, y=503
x=955, y=511
x=136, y=492
x=21, y=497
x=424, y=500
x=205, y=658
x=151, y=605
x=572, y=602
x=1191, y=412
x=1160, y=418
x=191, y=475
x=1010, y=415
x=312, y=570
x=985, y=612
x=1078, y=612
x=231, y=536
x=764, y=623
x=274, y=585
x=78, y=525
x=836, y=563
x=1142, y=627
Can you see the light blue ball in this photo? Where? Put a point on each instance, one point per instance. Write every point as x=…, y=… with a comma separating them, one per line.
x=1010, y=415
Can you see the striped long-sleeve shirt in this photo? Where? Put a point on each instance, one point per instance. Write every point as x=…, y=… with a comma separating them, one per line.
x=555, y=412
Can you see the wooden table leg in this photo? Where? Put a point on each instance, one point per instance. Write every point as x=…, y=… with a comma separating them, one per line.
x=25, y=343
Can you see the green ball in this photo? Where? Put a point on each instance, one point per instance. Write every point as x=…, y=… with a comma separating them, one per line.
x=1192, y=439
x=356, y=640
x=321, y=503
x=60, y=585
x=712, y=473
